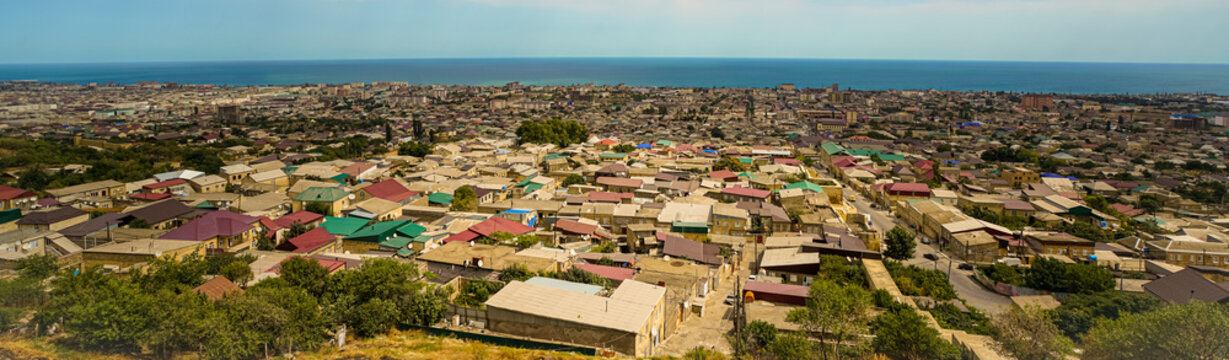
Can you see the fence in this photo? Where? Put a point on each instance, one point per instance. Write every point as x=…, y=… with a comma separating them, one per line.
x=503, y=340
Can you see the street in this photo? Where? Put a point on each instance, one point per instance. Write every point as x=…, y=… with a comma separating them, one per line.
x=962, y=280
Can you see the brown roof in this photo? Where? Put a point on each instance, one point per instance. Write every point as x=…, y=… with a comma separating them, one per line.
x=1187, y=285
x=51, y=217
x=217, y=288
x=613, y=181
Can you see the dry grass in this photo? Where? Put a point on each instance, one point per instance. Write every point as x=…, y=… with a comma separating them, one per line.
x=13, y=347
x=416, y=345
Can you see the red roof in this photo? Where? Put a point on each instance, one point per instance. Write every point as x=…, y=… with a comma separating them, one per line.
x=10, y=193
x=159, y=185
x=390, y=190
x=748, y=192
x=490, y=226
x=774, y=288
x=611, y=197
x=298, y=217
x=908, y=187
x=722, y=174
x=609, y=272
x=217, y=223
x=575, y=227
x=607, y=142
x=786, y=161
x=308, y=241
x=150, y=196
x=357, y=168
x=269, y=224
x=614, y=181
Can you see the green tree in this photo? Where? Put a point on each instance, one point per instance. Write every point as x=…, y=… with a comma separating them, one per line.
x=1078, y=312
x=903, y=334
x=138, y=223
x=574, y=179
x=415, y=149
x=464, y=199
x=791, y=347
x=98, y=311
x=1054, y=275
x=237, y=272
x=38, y=266
x=1029, y=334
x=553, y=131
x=833, y=313
x=716, y=133
x=33, y=178
x=515, y=271
x=761, y=332
x=304, y=273
x=900, y=244
x=180, y=322
x=319, y=208
x=624, y=148
x=702, y=353
x=1197, y=330
x=729, y=163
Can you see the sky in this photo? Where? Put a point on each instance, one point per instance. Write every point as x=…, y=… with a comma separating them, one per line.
x=84, y=31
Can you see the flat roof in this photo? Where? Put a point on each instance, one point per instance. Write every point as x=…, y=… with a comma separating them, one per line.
x=569, y=306
x=154, y=247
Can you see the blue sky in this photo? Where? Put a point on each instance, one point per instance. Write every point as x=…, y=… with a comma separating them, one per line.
x=41, y=31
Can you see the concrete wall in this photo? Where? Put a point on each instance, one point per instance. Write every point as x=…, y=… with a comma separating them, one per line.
x=515, y=323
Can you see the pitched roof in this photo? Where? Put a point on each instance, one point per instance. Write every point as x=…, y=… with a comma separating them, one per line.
x=342, y=226
x=298, y=217
x=217, y=223
x=217, y=288
x=623, y=182
x=10, y=193
x=161, y=211
x=308, y=241
x=51, y=216
x=488, y=227
x=390, y=190
x=747, y=192
x=621, y=314
x=321, y=194
x=1186, y=285
x=694, y=250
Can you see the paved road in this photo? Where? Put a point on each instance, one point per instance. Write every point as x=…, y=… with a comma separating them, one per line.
x=962, y=280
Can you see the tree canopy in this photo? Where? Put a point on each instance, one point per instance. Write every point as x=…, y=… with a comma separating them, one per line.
x=553, y=131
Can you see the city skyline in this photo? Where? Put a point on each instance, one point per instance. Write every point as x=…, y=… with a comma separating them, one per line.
x=1007, y=30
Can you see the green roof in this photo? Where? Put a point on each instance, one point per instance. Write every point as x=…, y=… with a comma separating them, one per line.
x=9, y=215
x=379, y=231
x=405, y=252
x=396, y=242
x=746, y=160
x=891, y=157
x=526, y=181
x=689, y=227
x=532, y=187
x=863, y=152
x=289, y=169
x=342, y=226
x=341, y=178
x=832, y=148
x=806, y=185
x=322, y=194
x=411, y=230
x=614, y=155
x=665, y=142
x=747, y=174
x=440, y=198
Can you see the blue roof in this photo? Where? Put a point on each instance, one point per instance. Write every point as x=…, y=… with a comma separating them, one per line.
x=711, y=151
x=517, y=211
x=644, y=146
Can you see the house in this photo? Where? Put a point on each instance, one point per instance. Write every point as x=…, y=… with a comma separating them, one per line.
x=1061, y=244
x=787, y=294
x=614, y=184
x=738, y=193
x=161, y=215
x=53, y=220
x=974, y=246
x=275, y=179
x=376, y=209
x=224, y=230
x=390, y=190
x=314, y=241
x=105, y=188
x=121, y=257
x=772, y=218
x=14, y=198
x=372, y=237
x=905, y=191
x=173, y=186
x=236, y=173
x=1187, y=251
x=571, y=230
x=790, y=264
x=208, y=184
x=1187, y=285
x=629, y=321
x=487, y=227
x=333, y=200
x=677, y=246
x=479, y=261
x=218, y=288
x=1015, y=176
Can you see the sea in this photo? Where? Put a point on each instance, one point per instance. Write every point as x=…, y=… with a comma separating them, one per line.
x=1039, y=77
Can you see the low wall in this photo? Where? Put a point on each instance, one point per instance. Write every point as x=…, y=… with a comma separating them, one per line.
x=1006, y=289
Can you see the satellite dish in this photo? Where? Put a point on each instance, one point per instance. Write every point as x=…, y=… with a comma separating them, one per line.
x=351, y=196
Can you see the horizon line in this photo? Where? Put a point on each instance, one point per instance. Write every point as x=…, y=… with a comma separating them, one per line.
x=124, y=62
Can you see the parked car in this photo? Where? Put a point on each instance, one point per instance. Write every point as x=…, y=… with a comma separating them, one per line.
x=926, y=241
x=751, y=277
x=730, y=299
x=931, y=257
x=965, y=266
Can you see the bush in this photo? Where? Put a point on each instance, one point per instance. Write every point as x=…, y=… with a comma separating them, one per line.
x=1079, y=312
x=915, y=281
x=1007, y=274
x=844, y=273
x=950, y=317
x=1054, y=275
